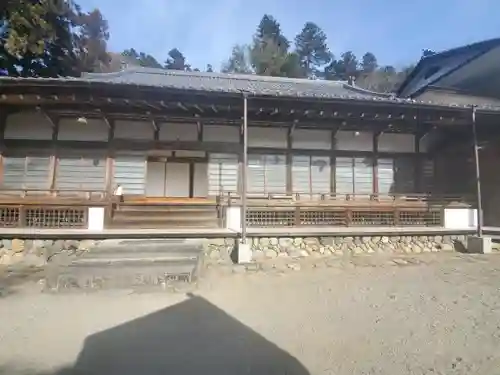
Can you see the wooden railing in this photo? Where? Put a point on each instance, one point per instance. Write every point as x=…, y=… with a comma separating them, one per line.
x=53, y=194
x=348, y=199
x=46, y=216
x=34, y=208
x=282, y=210
x=48, y=209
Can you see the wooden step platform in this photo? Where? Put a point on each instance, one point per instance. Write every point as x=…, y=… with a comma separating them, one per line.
x=165, y=215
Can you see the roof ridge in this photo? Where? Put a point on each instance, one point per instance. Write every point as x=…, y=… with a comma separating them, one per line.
x=366, y=91
x=217, y=75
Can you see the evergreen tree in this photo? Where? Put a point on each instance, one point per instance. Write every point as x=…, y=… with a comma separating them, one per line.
x=344, y=69
x=239, y=61
x=311, y=49
x=142, y=58
x=369, y=63
x=176, y=61
x=270, y=29
x=36, y=38
x=92, y=41
x=269, y=52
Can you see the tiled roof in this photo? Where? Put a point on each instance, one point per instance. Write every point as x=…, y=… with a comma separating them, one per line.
x=233, y=83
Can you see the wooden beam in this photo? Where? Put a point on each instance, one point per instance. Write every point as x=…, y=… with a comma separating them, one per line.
x=48, y=116
x=124, y=144
x=149, y=104
x=264, y=119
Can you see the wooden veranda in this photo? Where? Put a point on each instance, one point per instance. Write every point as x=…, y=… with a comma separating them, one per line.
x=156, y=107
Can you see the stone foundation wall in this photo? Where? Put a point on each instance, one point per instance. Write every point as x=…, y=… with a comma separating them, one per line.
x=273, y=247
x=37, y=253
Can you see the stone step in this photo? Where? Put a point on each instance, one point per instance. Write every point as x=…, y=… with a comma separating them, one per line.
x=151, y=222
x=129, y=264
x=84, y=277
x=171, y=247
x=144, y=258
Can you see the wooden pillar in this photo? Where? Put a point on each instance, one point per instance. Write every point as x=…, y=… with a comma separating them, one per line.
x=375, y=163
x=244, y=174
x=3, y=123
x=479, y=205
x=417, y=163
x=156, y=128
x=110, y=158
x=289, y=160
x=200, y=131
x=240, y=164
x=333, y=161
x=54, y=153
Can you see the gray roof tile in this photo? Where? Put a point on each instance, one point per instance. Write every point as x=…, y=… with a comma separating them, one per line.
x=236, y=83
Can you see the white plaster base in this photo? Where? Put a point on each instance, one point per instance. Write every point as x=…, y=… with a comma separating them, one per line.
x=460, y=218
x=233, y=218
x=244, y=253
x=479, y=245
x=96, y=218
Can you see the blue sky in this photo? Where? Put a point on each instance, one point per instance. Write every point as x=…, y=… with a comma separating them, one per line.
x=205, y=30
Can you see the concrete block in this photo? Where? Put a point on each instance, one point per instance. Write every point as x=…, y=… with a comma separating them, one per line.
x=479, y=245
x=244, y=253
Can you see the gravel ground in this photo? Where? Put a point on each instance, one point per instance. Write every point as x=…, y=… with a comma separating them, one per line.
x=438, y=316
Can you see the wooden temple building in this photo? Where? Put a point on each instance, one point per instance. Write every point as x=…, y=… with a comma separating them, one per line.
x=317, y=153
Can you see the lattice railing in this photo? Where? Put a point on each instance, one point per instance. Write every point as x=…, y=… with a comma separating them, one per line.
x=375, y=218
x=420, y=218
x=270, y=218
x=327, y=217
x=10, y=217
x=300, y=216
x=43, y=217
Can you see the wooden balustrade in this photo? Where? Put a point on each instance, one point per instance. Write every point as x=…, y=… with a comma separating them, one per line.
x=46, y=217
x=355, y=216
x=289, y=210
x=60, y=209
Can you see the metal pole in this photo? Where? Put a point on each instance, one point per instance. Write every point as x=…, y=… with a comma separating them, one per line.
x=244, y=171
x=478, y=175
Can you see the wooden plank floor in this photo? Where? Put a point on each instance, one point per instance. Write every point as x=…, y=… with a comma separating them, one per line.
x=222, y=232
x=493, y=232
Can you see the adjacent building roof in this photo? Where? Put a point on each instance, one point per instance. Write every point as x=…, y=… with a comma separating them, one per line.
x=436, y=70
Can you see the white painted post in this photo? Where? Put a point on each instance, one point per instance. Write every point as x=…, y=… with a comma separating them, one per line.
x=96, y=218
